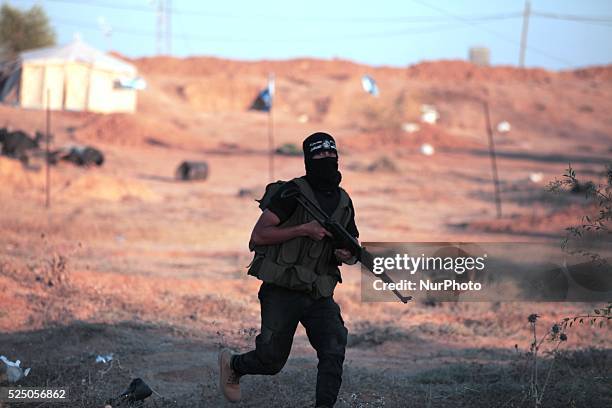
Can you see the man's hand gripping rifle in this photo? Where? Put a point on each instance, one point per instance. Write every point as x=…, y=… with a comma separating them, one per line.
x=342, y=238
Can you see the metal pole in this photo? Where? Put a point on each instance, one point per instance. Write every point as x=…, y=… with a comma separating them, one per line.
x=524, y=33
x=47, y=155
x=493, y=159
x=271, y=145
x=271, y=93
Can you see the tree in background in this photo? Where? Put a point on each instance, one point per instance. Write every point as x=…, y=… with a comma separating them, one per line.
x=24, y=30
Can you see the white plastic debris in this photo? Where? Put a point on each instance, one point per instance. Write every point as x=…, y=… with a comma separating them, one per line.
x=427, y=149
x=13, y=370
x=503, y=127
x=536, y=177
x=410, y=127
x=429, y=114
x=303, y=118
x=369, y=85
x=104, y=358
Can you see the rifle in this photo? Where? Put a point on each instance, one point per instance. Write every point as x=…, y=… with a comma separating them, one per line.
x=342, y=238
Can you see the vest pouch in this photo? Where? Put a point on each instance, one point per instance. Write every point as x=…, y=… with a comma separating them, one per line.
x=325, y=285
x=321, y=253
x=302, y=278
x=316, y=248
x=289, y=251
x=291, y=277
x=255, y=265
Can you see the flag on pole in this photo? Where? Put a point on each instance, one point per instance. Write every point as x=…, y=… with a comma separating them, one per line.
x=263, y=102
x=369, y=85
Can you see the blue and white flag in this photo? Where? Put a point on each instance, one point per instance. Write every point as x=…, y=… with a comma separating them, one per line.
x=263, y=102
x=369, y=85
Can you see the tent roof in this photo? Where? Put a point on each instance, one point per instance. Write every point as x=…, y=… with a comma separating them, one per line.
x=77, y=50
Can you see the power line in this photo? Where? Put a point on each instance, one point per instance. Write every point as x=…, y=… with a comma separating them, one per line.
x=495, y=33
x=188, y=36
x=572, y=17
x=473, y=20
x=184, y=37
x=356, y=20
x=602, y=23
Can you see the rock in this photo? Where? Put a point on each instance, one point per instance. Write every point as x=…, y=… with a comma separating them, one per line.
x=382, y=164
x=289, y=149
x=192, y=170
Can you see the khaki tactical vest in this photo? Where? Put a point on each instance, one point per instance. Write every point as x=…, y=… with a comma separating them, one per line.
x=301, y=263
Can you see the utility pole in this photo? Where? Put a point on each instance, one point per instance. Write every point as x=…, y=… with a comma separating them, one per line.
x=47, y=153
x=168, y=27
x=526, y=14
x=492, y=154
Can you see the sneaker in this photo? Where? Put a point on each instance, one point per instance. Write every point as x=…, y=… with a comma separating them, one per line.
x=229, y=380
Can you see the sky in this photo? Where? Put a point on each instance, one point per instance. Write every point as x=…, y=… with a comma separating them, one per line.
x=382, y=32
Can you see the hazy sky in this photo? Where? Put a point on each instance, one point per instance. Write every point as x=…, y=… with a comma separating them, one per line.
x=379, y=32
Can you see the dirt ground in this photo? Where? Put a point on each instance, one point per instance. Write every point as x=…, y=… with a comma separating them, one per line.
x=129, y=261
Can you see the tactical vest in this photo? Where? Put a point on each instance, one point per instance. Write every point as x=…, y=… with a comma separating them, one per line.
x=301, y=263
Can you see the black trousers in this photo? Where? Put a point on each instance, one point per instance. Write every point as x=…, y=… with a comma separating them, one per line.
x=281, y=310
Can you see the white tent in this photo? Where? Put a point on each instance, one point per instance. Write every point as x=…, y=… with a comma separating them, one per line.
x=76, y=76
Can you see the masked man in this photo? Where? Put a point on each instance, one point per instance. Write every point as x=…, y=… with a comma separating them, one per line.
x=298, y=264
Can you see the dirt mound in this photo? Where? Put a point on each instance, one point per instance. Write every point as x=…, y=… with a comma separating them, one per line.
x=131, y=130
x=219, y=92
x=405, y=142
x=103, y=187
x=448, y=70
x=458, y=70
x=16, y=178
x=198, y=66
x=601, y=72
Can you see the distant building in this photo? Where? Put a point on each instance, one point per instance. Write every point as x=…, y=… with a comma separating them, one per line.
x=480, y=56
x=77, y=76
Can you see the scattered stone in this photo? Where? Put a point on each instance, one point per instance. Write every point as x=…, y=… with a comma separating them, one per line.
x=247, y=192
x=382, y=164
x=192, y=170
x=289, y=149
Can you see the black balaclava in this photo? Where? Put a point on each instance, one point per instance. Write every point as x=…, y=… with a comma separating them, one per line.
x=322, y=174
